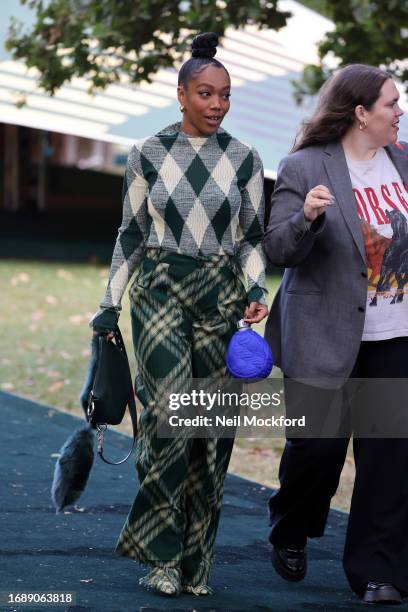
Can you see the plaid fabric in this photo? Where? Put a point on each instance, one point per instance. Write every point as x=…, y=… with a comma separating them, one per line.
x=184, y=312
x=195, y=196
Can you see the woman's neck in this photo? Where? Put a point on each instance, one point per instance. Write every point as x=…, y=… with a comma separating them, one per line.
x=190, y=131
x=356, y=146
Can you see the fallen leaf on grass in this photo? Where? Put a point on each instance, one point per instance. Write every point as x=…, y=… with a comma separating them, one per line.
x=53, y=374
x=76, y=319
x=50, y=299
x=37, y=315
x=23, y=277
x=7, y=386
x=65, y=355
x=57, y=386
x=86, y=353
x=65, y=274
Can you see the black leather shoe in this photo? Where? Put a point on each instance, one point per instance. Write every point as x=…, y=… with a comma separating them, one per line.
x=382, y=592
x=290, y=563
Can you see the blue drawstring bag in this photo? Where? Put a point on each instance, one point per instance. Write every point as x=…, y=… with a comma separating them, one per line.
x=248, y=354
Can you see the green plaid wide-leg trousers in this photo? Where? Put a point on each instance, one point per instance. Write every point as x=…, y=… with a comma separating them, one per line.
x=184, y=312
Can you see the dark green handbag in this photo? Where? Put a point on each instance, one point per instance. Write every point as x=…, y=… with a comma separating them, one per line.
x=112, y=391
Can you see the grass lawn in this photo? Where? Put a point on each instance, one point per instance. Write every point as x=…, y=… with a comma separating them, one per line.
x=44, y=325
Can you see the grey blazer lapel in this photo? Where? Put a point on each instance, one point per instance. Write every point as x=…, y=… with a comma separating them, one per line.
x=336, y=167
x=399, y=158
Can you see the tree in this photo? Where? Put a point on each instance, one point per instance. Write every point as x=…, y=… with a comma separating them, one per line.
x=104, y=40
x=366, y=31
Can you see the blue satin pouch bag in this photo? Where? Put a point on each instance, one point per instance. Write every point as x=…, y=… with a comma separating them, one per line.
x=248, y=354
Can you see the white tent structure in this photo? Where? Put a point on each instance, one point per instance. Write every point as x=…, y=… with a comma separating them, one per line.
x=261, y=64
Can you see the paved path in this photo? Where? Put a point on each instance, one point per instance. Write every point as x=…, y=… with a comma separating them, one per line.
x=42, y=551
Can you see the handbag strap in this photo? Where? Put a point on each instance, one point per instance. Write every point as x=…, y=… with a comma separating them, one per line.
x=101, y=428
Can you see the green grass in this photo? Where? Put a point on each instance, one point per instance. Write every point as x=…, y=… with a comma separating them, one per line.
x=44, y=325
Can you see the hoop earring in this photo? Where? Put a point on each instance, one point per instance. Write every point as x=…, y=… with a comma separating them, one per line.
x=363, y=125
x=182, y=109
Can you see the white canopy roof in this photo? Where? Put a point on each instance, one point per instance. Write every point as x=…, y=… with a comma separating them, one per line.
x=261, y=64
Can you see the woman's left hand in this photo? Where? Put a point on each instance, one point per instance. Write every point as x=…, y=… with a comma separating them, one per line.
x=255, y=312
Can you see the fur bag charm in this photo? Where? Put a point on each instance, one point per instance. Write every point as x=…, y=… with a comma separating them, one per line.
x=73, y=467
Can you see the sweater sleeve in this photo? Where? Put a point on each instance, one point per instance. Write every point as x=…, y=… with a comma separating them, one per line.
x=130, y=243
x=251, y=229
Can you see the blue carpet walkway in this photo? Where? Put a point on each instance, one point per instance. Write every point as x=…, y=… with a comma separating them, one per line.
x=42, y=552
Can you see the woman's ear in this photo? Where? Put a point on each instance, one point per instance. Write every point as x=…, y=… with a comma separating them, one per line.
x=360, y=113
x=181, y=95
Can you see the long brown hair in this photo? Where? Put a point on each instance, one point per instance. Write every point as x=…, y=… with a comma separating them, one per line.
x=334, y=115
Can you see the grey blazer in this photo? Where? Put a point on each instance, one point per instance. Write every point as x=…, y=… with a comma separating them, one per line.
x=316, y=321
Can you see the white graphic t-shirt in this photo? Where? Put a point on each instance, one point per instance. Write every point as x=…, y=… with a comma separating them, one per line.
x=382, y=204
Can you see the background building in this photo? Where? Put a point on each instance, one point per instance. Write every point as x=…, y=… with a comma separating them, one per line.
x=64, y=156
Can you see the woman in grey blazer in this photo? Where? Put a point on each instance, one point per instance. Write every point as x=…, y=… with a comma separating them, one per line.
x=339, y=225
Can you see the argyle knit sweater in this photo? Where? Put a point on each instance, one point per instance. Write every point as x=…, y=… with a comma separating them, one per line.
x=192, y=195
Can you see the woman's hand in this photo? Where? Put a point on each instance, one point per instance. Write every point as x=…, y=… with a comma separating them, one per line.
x=109, y=335
x=255, y=312
x=317, y=200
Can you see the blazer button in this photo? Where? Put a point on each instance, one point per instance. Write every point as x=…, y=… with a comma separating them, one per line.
x=364, y=274
x=361, y=309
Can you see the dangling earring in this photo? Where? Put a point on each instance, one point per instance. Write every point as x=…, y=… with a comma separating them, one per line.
x=363, y=125
x=182, y=109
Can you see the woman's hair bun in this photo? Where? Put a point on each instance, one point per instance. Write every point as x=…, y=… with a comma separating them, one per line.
x=204, y=45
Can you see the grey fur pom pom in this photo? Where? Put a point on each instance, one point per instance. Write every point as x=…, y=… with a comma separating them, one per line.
x=72, y=468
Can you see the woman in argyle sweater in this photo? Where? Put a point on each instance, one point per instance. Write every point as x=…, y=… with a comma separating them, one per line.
x=193, y=212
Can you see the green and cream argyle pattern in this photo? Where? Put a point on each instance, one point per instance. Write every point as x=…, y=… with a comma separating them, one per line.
x=195, y=196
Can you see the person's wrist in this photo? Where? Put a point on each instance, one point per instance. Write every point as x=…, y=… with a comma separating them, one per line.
x=255, y=294
x=308, y=222
x=306, y=214
x=105, y=321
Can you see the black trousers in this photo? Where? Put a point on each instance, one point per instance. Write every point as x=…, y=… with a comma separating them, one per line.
x=377, y=535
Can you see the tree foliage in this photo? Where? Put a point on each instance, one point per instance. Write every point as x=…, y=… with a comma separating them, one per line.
x=106, y=40
x=366, y=31
x=319, y=6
